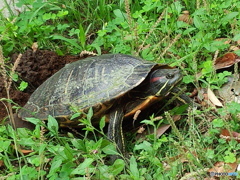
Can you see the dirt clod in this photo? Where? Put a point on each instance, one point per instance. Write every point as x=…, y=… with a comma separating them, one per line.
x=34, y=68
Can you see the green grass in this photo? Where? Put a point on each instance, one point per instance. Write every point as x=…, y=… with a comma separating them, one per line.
x=148, y=29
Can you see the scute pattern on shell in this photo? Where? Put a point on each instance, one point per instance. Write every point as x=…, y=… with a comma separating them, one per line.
x=86, y=83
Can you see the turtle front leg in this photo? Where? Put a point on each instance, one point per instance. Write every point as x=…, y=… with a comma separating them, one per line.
x=115, y=133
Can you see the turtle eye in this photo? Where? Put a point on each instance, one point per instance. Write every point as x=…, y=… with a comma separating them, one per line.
x=169, y=76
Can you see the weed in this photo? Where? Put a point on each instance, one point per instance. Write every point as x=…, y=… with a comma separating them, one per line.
x=8, y=81
x=147, y=28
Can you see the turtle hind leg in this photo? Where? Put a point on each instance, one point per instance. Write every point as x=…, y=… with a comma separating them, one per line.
x=22, y=124
x=115, y=133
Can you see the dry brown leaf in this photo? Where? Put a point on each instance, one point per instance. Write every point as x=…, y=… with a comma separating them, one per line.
x=162, y=130
x=176, y=118
x=203, y=99
x=234, y=44
x=234, y=48
x=194, y=93
x=185, y=17
x=26, y=151
x=226, y=60
x=1, y=163
x=225, y=40
x=225, y=134
x=238, y=42
x=213, y=98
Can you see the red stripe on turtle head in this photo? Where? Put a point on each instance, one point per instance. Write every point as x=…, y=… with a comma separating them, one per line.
x=154, y=79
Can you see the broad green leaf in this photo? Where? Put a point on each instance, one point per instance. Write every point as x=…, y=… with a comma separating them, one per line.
x=75, y=116
x=237, y=52
x=133, y=168
x=82, y=36
x=217, y=123
x=55, y=166
x=68, y=152
x=210, y=154
x=27, y=173
x=119, y=14
x=178, y=6
x=102, y=123
x=52, y=124
x=84, y=168
x=148, y=122
x=230, y=157
x=144, y=146
x=46, y=16
x=4, y=145
x=117, y=167
x=98, y=144
x=198, y=22
x=110, y=149
x=188, y=79
x=207, y=67
x=180, y=109
x=229, y=17
x=236, y=37
x=34, y=121
x=34, y=160
x=70, y=41
x=90, y=114
x=79, y=144
x=188, y=30
x=15, y=77
x=23, y=85
x=62, y=13
x=233, y=108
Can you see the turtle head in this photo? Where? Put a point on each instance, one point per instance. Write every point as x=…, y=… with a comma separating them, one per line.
x=163, y=80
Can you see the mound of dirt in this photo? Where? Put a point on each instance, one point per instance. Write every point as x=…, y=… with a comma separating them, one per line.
x=34, y=68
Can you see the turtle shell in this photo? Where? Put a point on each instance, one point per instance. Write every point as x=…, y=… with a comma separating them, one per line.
x=92, y=82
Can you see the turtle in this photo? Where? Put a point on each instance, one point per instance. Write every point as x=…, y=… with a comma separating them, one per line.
x=113, y=85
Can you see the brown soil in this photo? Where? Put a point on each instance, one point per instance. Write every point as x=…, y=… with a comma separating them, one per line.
x=34, y=68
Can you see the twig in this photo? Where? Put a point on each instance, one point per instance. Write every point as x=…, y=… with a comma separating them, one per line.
x=8, y=82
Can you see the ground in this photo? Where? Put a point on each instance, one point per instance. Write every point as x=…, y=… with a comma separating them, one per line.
x=34, y=68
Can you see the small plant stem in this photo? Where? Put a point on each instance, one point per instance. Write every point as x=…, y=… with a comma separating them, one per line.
x=151, y=30
x=133, y=28
x=198, y=4
x=169, y=46
x=236, y=74
x=8, y=82
x=195, y=68
x=127, y=8
x=158, y=44
x=214, y=61
x=174, y=127
x=10, y=111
